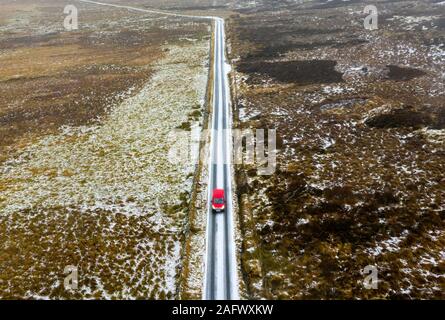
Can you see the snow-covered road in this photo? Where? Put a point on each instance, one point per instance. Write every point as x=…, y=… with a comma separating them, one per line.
x=221, y=276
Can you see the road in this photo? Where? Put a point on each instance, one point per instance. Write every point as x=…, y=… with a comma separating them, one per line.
x=220, y=276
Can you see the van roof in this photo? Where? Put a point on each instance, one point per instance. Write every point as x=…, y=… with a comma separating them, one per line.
x=218, y=193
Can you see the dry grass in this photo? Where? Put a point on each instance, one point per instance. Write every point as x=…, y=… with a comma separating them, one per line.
x=50, y=77
x=85, y=179
x=359, y=179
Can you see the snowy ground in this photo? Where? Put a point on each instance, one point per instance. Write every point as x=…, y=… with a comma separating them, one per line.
x=105, y=197
x=360, y=123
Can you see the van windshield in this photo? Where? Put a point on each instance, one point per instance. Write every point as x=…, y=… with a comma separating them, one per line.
x=219, y=200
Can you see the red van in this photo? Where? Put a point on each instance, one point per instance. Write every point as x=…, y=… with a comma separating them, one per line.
x=218, y=200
